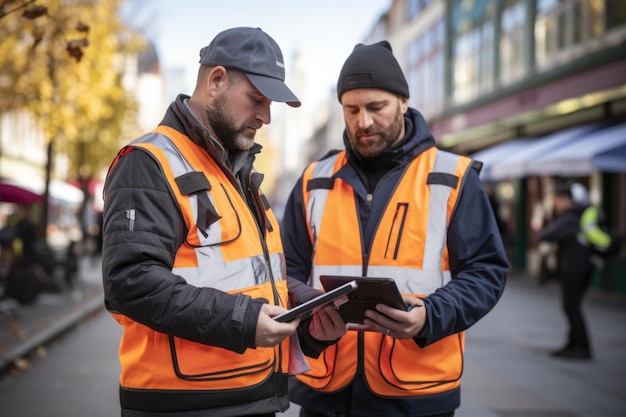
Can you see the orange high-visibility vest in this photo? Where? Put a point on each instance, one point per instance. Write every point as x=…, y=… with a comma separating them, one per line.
x=409, y=245
x=231, y=255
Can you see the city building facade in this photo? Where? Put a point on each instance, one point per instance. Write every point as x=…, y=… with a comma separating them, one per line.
x=535, y=89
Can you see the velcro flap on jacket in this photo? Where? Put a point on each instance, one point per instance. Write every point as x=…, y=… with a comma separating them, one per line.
x=197, y=183
x=320, y=184
x=192, y=182
x=442, y=178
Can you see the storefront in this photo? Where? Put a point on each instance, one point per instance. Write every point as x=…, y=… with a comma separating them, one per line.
x=525, y=172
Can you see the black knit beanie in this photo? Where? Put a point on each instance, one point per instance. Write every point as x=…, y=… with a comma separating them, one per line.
x=372, y=66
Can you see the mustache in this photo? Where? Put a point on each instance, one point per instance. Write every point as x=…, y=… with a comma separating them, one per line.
x=369, y=131
x=255, y=125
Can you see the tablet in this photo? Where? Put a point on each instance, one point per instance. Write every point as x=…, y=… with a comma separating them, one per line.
x=370, y=291
x=309, y=307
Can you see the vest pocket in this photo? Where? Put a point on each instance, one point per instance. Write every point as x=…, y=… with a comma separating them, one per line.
x=198, y=362
x=404, y=365
x=395, y=232
x=334, y=368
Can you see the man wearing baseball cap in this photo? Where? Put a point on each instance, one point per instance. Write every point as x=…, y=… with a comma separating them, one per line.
x=393, y=205
x=192, y=261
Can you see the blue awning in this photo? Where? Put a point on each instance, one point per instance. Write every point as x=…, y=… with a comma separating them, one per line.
x=490, y=156
x=575, y=159
x=515, y=165
x=613, y=160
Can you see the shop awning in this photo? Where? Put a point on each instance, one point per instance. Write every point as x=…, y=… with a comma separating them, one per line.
x=575, y=158
x=613, y=160
x=515, y=165
x=31, y=189
x=10, y=192
x=490, y=156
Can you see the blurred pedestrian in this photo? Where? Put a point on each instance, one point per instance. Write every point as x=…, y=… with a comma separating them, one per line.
x=193, y=262
x=574, y=265
x=392, y=205
x=490, y=189
x=21, y=264
x=25, y=237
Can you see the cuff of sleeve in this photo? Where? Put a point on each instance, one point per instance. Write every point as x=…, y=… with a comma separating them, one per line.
x=252, y=318
x=311, y=347
x=422, y=338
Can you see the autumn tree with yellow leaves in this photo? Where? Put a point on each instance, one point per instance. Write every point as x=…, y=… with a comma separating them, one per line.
x=63, y=61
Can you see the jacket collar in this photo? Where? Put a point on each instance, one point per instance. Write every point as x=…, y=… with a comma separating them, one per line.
x=416, y=140
x=180, y=117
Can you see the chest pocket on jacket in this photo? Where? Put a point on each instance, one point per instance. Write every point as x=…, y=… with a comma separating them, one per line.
x=213, y=227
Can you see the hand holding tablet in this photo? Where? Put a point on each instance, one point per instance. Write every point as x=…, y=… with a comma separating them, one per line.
x=370, y=291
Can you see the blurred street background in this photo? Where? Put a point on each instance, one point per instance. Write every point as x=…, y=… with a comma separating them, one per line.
x=59, y=356
x=533, y=89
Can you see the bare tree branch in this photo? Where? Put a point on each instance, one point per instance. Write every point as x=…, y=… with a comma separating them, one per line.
x=5, y=10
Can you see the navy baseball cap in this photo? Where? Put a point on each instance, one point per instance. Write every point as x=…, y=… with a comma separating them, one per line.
x=256, y=54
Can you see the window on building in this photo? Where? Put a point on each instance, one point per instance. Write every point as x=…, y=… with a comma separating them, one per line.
x=568, y=29
x=473, y=62
x=615, y=13
x=425, y=69
x=413, y=7
x=512, y=42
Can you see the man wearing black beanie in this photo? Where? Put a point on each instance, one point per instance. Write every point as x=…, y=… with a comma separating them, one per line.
x=392, y=205
x=372, y=66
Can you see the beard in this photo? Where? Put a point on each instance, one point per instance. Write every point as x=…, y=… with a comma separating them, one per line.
x=223, y=124
x=385, y=140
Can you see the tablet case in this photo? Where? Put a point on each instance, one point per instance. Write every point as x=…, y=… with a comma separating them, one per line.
x=370, y=291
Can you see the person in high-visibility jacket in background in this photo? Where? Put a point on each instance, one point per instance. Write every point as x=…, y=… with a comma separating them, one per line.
x=592, y=233
x=192, y=260
x=574, y=264
x=392, y=205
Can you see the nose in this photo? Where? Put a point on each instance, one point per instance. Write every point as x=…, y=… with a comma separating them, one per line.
x=365, y=119
x=264, y=112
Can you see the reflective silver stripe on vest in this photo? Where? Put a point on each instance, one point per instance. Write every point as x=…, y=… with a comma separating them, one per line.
x=212, y=271
x=412, y=281
x=315, y=207
x=409, y=280
x=233, y=275
x=345, y=270
x=437, y=232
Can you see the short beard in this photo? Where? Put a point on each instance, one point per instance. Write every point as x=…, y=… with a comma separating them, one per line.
x=222, y=123
x=387, y=137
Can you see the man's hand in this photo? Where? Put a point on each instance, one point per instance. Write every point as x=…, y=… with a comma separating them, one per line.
x=327, y=325
x=270, y=332
x=400, y=324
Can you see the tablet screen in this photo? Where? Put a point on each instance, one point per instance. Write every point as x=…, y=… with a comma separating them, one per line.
x=311, y=306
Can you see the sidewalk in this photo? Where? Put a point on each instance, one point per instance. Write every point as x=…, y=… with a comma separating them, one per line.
x=507, y=372
x=49, y=316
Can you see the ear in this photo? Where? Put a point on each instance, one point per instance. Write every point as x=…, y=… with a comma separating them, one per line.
x=404, y=103
x=216, y=81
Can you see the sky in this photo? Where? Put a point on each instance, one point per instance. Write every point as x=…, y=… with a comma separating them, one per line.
x=324, y=30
